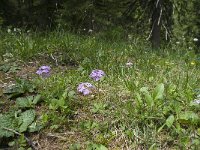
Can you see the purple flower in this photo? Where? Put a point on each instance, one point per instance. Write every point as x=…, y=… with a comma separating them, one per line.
x=85, y=88
x=45, y=68
x=43, y=71
x=97, y=74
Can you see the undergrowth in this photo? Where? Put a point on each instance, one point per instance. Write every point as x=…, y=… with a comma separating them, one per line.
x=150, y=103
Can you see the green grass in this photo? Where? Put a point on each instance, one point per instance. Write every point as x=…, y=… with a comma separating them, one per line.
x=145, y=106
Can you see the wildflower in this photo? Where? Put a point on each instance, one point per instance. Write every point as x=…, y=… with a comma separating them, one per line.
x=85, y=88
x=195, y=39
x=43, y=71
x=129, y=64
x=192, y=63
x=97, y=74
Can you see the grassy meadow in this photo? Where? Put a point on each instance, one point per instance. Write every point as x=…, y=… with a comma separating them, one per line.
x=148, y=99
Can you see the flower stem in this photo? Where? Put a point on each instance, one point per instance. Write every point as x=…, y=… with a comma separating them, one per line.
x=98, y=86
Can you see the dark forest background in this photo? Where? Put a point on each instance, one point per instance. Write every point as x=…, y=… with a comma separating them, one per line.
x=155, y=20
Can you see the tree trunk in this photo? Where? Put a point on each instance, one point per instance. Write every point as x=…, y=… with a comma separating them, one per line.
x=156, y=24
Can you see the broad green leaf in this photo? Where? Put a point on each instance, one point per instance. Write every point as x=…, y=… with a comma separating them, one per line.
x=7, y=121
x=36, y=99
x=22, y=86
x=102, y=147
x=148, y=97
x=139, y=99
x=53, y=104
x=189, y=118
x=170, y=121
x=198, y=131
x=27, y=102
x=27, y=118
x=158, y=92
x=13, y=91
x=61, y=102
x=35, y=126
x=24, y=102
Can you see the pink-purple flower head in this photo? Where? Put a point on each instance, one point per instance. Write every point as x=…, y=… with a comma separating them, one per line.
x=43, y=71
x=85, y=88
x=97, y=74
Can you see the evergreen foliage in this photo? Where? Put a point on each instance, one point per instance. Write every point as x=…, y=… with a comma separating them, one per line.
x=177, y=17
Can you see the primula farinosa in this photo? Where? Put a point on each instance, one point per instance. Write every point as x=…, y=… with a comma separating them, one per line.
x=85, y=88
x=97, y=74
x=43, y=71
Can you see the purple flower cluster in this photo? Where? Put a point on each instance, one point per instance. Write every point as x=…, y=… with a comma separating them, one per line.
x=97, y=74
x=43, y=71
x=85, y=88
